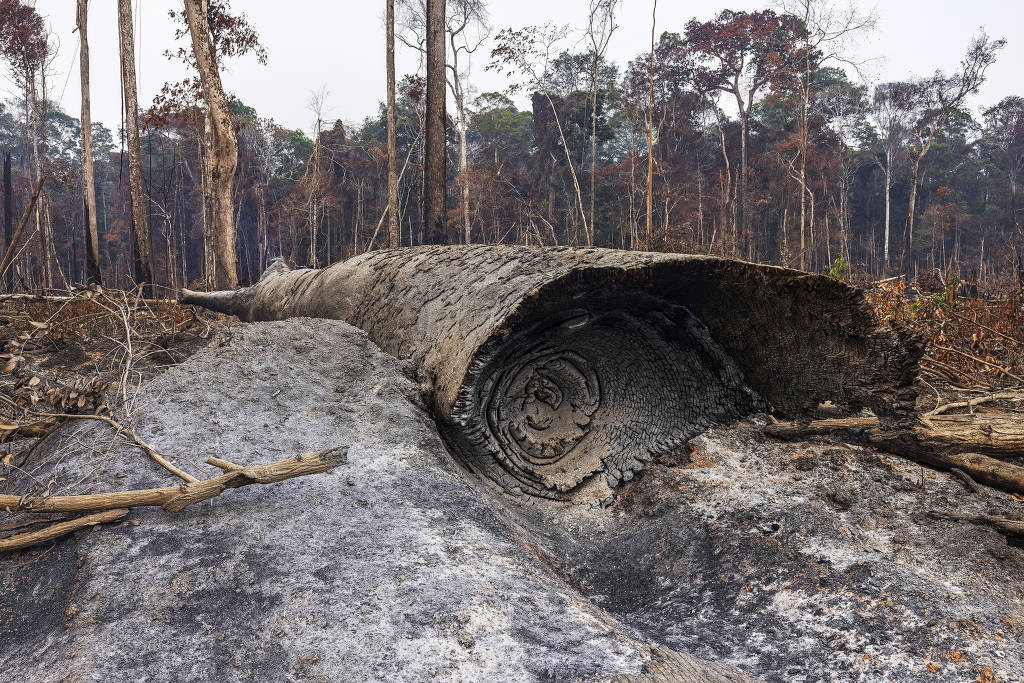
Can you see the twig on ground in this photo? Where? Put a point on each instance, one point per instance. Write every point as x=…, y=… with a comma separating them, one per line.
x=970, y=403
x=31, y=538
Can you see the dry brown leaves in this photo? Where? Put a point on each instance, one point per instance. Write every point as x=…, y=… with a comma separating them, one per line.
x=973, y=343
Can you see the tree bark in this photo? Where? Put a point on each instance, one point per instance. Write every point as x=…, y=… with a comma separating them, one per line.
x=140, y=219
x=224, y=147
x=92, y=244
x=8, y=217
x=435, y=226
x=394, y=236
x=617, y=334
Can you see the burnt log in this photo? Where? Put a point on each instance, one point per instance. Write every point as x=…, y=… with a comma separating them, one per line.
x=548, y=367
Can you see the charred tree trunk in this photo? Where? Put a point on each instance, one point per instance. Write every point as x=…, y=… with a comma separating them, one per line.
x=394, y=236
x=92, y=243
x=8, y=217
x=435, y=226
x=560, y=372
x=140, y=219
x=224, y=147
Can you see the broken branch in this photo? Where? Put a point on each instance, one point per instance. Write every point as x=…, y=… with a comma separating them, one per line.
x=174, y=498
x=31, y=538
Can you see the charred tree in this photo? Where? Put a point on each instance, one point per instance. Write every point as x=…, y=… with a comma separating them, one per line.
x=8, y=216
x=394, y=236
x=435, y=225
x=224, y=148
x=559, y=372
x=140, y=219
x=92, y=244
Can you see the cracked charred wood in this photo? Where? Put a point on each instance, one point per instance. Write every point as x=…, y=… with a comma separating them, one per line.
x=554, y=369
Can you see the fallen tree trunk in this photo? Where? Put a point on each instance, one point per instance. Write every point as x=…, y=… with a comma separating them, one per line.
x=550, y=365
x=937, y=441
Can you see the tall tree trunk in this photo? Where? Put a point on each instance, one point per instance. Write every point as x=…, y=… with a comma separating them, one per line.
x=591, y=234
x=8, y=216
x=650, y=134
x=915, y=166
x=435, y=230
x=143, y=268
x=92, y=243
x=888, y=206
x=394, y=236
x=224, y=147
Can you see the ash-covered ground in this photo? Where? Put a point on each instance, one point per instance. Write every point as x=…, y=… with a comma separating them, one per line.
x=794, y=562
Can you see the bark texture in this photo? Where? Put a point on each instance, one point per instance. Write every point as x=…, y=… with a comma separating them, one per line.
x=140, y=219
x=394, y=236
x=435, y=230
x=224, y=148
x=554, y=369
x=92, y=244
x=8, y=216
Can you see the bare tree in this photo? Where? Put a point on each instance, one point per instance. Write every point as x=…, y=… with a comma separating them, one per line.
x=434, y=161
x=600, y=27
x=92, y=244
x=889, y=112
x=827, y=27
x=650, y=134
x=394, y=236
x=528, y=51
x=224, y=148
x=935, y=99
x=8, y=216
x=140, y=220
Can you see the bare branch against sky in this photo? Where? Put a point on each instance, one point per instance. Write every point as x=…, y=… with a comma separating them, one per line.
x=343, y=48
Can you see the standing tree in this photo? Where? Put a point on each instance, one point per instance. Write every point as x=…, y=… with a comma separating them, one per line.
x=224, y=147
x=824, y=29
x=600, y=27
x=739, y=53
x=650, y=132
x=140, y=220
x=92, y=244
x=8, y=215
x=890, y=107
x=434, y=161
x=935, y=99
x=1004, y=128
x=394, y=236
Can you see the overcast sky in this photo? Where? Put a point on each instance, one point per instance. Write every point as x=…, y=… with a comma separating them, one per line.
x=339, y=45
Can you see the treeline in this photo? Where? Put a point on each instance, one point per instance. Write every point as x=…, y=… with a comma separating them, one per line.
x=762, y=147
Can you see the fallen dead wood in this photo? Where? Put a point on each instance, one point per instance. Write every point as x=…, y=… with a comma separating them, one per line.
x=1010, y=527
x=54, y=531
x=175, y=498
x=938, y=442
x=970, y=403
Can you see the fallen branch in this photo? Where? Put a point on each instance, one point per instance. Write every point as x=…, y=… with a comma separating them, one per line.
x=1001, y=524
x=938, y=442
x=31, y=538
x=174, y=498
x=970, y=403
x=986, y=327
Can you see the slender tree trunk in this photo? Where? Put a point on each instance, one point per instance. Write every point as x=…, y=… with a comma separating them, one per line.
x=650, y=133
x=223, y=151
x=434, y=163
x=143, y=269
x=915, y=166
x=394, y=236
x=92, y=243
x=8, y=216
x=888, y=206
x=591, y=234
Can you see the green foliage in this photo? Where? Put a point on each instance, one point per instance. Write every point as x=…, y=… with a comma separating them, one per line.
x=839, y=270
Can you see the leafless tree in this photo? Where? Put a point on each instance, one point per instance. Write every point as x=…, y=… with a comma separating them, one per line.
x=92, y=245
x=394, y=236
x=434, y=158
x=140, y=220
x=600, y=27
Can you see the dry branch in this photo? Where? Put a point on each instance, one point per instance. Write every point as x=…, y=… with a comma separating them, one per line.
x=31, y=538
x=937, y=441
x=174, y=498
x=970, y=403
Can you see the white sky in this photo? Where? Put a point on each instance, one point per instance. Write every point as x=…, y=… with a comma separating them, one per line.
x=340, y=45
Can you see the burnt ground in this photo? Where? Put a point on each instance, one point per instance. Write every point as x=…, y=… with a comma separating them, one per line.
x=808, y=561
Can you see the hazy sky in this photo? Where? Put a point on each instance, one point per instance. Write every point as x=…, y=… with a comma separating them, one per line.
x=339, y=45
